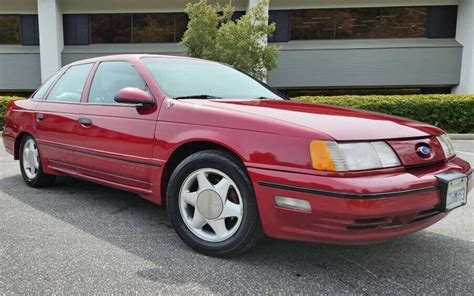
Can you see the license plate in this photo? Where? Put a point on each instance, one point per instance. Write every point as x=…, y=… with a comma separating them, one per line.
x=453, y=190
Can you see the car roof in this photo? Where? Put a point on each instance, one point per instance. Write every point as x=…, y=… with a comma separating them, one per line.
x=122, y=57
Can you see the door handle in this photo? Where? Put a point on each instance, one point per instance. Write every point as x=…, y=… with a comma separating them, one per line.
x=85, y=121
x=39, y=116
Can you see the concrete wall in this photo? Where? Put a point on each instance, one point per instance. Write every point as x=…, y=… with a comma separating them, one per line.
x=465, y=36
x=334, y=63
x=400, y=62
x=19, y=67
x=114, y=6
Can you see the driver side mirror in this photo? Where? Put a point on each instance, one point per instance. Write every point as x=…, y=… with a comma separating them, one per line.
x=136, y=96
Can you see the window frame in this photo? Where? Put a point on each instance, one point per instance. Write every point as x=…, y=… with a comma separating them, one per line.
x=90, y=80
x=64, y=71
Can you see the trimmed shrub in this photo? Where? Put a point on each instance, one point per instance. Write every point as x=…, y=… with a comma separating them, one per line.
x=452, y=113
x=3, y=107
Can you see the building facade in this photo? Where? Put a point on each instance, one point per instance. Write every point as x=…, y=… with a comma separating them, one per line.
x=325, y=44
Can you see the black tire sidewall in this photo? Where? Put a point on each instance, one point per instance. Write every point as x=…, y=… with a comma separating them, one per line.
x=36, y=181
x=227, y=165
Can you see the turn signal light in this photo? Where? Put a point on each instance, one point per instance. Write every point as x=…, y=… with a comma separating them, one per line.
x=321, y=156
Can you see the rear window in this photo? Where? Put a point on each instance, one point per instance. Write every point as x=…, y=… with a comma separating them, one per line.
x=69, y=87
x=43, y=89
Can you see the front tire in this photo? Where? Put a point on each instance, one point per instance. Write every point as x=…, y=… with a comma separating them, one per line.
x=30, y=164
x=212, y=204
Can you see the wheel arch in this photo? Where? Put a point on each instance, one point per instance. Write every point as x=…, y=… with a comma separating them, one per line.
x=186, y=149
x=18, y=139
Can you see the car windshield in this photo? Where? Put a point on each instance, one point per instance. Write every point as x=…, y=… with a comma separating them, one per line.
x=187, y=78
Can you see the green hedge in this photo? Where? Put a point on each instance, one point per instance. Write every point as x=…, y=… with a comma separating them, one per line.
x=3, y=106
x=452, y=113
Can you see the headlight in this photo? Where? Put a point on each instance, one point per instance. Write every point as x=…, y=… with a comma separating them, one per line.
x=447, y=145
x=332, y=156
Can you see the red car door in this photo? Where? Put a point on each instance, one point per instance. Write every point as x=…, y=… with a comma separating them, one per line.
x=117, y=139
x=57, y=118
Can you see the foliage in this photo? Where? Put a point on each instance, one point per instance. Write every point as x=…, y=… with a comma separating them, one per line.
x=213, y=35
x=3, y=107
x=452, y=113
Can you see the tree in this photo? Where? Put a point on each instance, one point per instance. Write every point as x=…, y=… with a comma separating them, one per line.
x=213, y=35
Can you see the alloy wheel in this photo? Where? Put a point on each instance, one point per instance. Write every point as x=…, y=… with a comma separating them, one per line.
x=30, y=159
x=211, y=205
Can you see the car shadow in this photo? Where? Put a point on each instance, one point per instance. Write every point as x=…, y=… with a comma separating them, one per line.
x=418, y=263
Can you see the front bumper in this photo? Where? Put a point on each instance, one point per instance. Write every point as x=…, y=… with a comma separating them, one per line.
x=352, y=210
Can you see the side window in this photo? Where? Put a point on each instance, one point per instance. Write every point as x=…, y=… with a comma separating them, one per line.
x=70, y=85
x=41, y=92
x=111, y=77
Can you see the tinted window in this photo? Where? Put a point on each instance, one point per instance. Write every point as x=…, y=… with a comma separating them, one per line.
x=111, y=77
x=41, y=92
x=181, y=23
x=10, y=29
x=111, y=28
x=153, y=28
x=183, y=77
x=70, y=85
x=312, y=24
x=29, y=30
x=356, y=23
x=76, y=29
x=402, y=22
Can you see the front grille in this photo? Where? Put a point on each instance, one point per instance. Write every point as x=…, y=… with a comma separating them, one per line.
x=374, y=223
x=423, y=215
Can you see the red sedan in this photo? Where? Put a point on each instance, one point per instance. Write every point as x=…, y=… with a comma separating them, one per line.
x=233, y=159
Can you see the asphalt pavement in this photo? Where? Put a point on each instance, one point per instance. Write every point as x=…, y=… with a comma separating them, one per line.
x=79, y=237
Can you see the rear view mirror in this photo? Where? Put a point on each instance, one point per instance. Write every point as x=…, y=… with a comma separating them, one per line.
x=136, y=96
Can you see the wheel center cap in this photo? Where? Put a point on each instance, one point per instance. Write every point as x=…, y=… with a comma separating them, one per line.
x=209, y=204
x=31, y=158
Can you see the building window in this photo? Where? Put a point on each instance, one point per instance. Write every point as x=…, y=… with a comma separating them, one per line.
x=76, y=29
x=29, y=29
x=358, y=23
x=111, y=28
x=403, y=22
x=10, y=29
x=312, y=24
x=153, y=28
x=136, y=28
x=181, y=24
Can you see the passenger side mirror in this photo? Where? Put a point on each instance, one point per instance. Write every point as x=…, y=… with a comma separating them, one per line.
x=136, y=96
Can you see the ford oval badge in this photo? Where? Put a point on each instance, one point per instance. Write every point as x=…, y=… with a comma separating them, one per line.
x=423, y=151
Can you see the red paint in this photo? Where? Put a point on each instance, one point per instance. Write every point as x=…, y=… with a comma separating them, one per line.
x=132, y=95
x=128, y=147
x=407, y=151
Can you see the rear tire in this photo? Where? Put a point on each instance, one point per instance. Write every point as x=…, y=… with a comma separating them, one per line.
x=30, y=164
x=212, y=204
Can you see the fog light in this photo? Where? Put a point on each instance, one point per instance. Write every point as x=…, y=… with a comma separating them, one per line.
x=293, y=203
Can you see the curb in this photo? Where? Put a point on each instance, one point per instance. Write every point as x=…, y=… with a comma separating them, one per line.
x=461, y=136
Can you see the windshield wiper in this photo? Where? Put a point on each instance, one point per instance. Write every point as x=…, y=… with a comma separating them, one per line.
x=202, y=97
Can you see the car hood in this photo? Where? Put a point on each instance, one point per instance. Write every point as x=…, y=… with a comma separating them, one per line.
x=341, y=124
